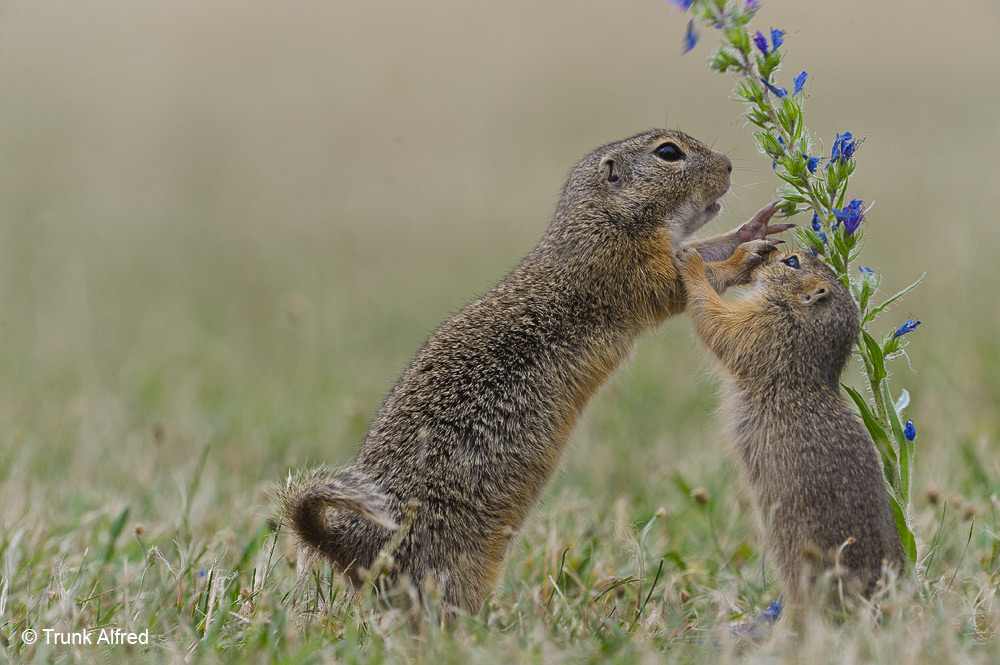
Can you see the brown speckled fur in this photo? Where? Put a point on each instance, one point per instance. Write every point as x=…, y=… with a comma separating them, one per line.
x=477, y=424
x=810, y=464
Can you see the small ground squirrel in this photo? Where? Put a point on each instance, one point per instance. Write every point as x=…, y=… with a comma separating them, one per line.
x=478, y=422
x=811, y=466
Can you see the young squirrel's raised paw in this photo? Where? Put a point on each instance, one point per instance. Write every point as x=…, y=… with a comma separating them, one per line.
x=690, y=260
x=752, y=253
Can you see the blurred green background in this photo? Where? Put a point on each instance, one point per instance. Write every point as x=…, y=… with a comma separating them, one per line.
x=232, y=224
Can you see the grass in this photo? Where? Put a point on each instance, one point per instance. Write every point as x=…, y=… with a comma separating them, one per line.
x=215, y=259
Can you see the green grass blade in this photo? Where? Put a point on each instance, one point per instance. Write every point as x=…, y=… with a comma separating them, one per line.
x=114, y=531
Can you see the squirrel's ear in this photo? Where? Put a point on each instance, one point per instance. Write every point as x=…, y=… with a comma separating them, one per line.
x=611, y=171
x=818, y=293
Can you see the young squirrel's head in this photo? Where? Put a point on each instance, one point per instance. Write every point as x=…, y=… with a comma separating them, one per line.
x=657, y=178
x=811, y=310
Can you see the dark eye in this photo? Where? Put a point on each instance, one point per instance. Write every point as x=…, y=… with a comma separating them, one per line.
x=791, y=261
x=669, y=152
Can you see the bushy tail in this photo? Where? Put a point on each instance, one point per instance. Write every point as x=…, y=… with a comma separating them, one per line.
x=306, y=498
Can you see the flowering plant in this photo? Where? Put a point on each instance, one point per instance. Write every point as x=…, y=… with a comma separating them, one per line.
x=814, y=183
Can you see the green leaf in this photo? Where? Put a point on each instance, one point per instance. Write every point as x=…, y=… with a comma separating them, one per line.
x=739, y=38
x=879, y=437
x=788, y=174
x=764, y=69
x=797, y=167
x=851, y=240
x=905, y=535
x=891, y=345
x=789, y=194
x=744, y=93
x=840, y=241
x=876, y=356
x=790, y=105
x=809, y=239
x=837, y=261
x=785, y=121
x=759, y=118
x=832, y=180
x=905, y=447
x=774, y=59
x=740, y=15
x=787, y=209
x=769, y=144
x=875, y=311
x=722, y=60
x=863, y=293
x=802, y=141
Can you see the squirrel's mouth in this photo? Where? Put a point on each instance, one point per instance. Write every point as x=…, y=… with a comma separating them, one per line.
x=691, y=218
x=712, y=209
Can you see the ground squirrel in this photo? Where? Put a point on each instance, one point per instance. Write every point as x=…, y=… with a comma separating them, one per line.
x=811, y=466
x=478, y=422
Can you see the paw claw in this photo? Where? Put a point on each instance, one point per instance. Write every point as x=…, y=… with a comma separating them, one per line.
x=757, y=228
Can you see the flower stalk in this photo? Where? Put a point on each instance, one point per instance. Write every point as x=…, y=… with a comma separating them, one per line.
x=818, y=185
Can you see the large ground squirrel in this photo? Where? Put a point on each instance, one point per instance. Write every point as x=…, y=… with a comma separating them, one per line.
x=810, y=464
x=478, y=422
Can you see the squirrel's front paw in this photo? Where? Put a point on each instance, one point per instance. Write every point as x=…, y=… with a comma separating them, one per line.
x=690, y=260
x=751, y=254
x=757, y=228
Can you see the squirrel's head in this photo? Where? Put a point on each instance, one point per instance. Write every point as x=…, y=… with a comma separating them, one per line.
x=817, y=315
x=657, y=178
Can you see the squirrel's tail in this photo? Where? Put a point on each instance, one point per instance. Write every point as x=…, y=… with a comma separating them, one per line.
x=306, y=498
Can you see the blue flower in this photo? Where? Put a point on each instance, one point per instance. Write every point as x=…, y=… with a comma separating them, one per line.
x=909, y=326
x=773, y=612
x=843, y=148
x=683, y=4
x=866, y=272
x=851, y=215
x=811, y=163
x=762, y=622
x=910, y=432
x=822, y=236
x=849, y=149
x=777, y=37
x=816, y=225
x=780, y=92
x=799, y=81
x=751, y=5
x=761, y=42
x=690, y=37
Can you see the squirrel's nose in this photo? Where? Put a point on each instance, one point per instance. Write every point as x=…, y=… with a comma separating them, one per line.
x=729, y=163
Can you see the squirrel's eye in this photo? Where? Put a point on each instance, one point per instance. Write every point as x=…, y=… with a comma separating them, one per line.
x=791, y=262
x=669, y=152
